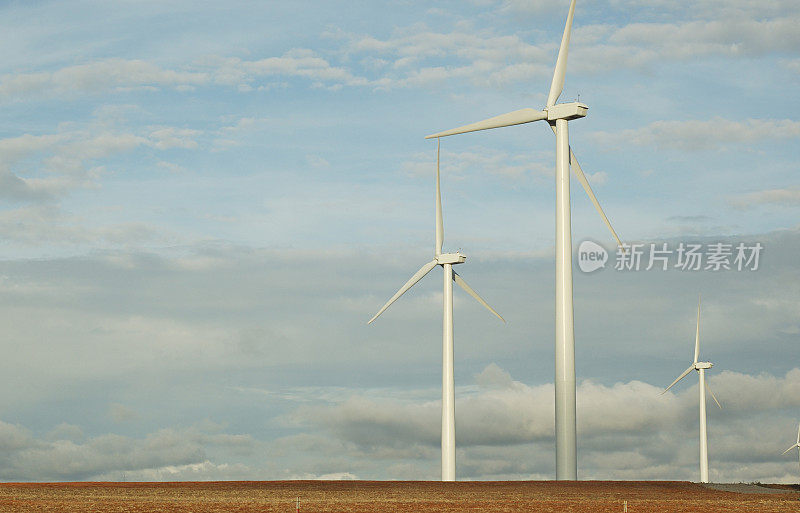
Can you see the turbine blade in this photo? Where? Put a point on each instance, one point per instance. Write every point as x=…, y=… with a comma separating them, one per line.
x=517, y=117
x=790, y=448
x=697, y=333
x=708, y=387
x=461, y=283
x=557, y=85
x=576, y=168
x=439, y=220
x=687, y=371
x=425, y=269
x=798, y=434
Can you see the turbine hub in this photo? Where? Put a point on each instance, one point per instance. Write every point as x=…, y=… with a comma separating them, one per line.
x=450, y=258
x=566, y=111
x=703, y=365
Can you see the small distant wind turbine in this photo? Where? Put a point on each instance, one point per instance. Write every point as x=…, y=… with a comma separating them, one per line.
x=700, y=367
x=447, y=261
x=796, y=444
x=557, y=116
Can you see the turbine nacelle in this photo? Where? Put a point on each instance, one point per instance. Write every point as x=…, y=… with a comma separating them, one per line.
x=703, y=365
x=450, y=258
x=566, y=111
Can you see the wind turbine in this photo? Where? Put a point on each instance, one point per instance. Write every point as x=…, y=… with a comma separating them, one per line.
x=796, y=444
x=700, y=367
x=557, y=115
x=447, y=261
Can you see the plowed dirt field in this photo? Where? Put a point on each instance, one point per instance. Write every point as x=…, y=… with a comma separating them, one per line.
x=390, y=496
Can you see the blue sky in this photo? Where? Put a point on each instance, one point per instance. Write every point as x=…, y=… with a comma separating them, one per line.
x=200, y=207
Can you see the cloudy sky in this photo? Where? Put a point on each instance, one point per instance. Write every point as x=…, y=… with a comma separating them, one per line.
x=202, y=203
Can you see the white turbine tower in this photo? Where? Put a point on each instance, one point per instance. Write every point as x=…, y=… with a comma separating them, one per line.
x=557, y=115
x=446, y=260
x=796, y=444
x=700, y=367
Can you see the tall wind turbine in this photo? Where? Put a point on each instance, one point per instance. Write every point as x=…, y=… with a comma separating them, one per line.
x=700, y=367
x=796, y=444
x=447, y=261
x=557, y=115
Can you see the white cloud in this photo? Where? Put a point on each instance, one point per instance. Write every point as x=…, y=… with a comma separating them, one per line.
x=299, y=62
x=234, y=135
x=124, y=75
x=535, y=7
x=96, y=77
x=46, y=225
x=736, y=9
x=121, y=413
x=165, y=138
x=484, y=59
x=167, y=454
x=39, y=171
x=43, y=168
x=202, y=471
x=787, y=197
x=317, y=161
x=478, y=161
x=697, y=135
x=418, y=57
x=793, y=65
x=598, y=178
x=66, y=431
x=626, y=430
x=696, y=38
x=335, y=476
x=171, y=167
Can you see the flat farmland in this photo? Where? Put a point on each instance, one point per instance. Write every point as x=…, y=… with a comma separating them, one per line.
x=391, y=496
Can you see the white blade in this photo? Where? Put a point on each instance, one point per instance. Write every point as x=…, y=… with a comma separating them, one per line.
x=439, y=220
x=425, y=269
x=697, y=333
x=561, y=63
x=708, y=387
x=517, y=117
x=687, y=371
x=798, y=434
x=792, y=447
x=461, y=283
x=576, y=168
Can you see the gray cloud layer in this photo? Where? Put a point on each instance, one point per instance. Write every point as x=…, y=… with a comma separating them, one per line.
x=626, y=430
x=311, y=391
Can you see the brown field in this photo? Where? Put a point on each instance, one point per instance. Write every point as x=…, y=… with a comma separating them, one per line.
x=386, y=496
